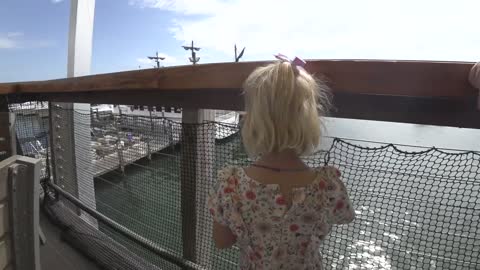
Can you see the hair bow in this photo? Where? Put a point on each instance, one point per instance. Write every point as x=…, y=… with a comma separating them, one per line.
x=297, y=62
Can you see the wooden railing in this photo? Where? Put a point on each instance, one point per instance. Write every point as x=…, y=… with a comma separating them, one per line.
x=435, y=93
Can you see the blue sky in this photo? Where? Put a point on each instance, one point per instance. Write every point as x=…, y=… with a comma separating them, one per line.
x=34, y=33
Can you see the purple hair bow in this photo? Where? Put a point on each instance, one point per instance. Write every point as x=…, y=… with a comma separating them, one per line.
x=297, y=62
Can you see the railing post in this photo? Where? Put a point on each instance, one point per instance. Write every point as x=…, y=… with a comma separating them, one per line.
x=197, y=175
x=24, y=189
x=150, y=136
x=71, y=152
x=170, y=131
x=120, y=146
x=8, y=140
x=121, y=160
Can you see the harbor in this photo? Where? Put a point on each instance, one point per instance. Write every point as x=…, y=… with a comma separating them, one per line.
x=120, y=135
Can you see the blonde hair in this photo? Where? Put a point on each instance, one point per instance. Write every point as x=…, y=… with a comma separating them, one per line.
x=283, y=105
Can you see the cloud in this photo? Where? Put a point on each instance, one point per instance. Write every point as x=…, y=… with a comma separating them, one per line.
x=189, y=7
x=40, y=44
x=7, y=43
x=56, y=1
x=16, y=40
x=407, y=29
x=10, y=40
x=14, y=34
x=144, y=61
x=147, y=63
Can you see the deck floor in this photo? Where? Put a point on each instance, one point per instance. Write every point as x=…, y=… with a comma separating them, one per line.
x=56, y=254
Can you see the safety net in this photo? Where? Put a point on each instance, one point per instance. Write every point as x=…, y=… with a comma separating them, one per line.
x=129, y=188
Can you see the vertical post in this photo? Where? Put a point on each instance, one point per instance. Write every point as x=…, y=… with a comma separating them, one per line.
x=94, y=113
x=120, y=147
x=150, y=136
x=121, y=161
x=70, y=130
x=197, y=175
x=15, y=148
x=8, y=136
x=6, y=142
x=24, y=189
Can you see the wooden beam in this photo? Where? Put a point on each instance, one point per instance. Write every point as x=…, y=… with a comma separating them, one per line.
x=222, y=99
x=402, y=78
x=453, y=112
x=446, y=111
x=436, y=93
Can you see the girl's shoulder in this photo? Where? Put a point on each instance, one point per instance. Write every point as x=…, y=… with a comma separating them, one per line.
x=329, y=178
x=234, y=171
x=234, y=175
x=328, y=172
x=230, y=178
x=340, y=209
x=230, y=171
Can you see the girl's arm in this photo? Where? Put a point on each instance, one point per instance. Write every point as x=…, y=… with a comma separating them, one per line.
x=342, y=211
x=223, y=236
x=221, y=208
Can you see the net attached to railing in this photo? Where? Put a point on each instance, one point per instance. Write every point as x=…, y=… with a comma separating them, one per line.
x=142, y=181
x=415, y=210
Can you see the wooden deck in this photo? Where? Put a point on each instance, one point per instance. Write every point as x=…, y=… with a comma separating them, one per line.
x=130, y=155
x=59, y=255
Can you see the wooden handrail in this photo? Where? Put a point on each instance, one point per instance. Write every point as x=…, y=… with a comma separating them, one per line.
x=399, y=78
x=435, y=93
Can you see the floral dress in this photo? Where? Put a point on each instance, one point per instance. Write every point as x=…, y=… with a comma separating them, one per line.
x=269, y=234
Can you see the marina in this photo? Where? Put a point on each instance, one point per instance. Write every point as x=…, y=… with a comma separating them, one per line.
x=121, y=135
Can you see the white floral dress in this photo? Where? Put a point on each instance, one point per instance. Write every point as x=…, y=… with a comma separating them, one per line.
x=271, y=236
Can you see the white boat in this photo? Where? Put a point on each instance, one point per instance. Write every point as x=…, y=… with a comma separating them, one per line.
x=229, y=118
x=30, y=108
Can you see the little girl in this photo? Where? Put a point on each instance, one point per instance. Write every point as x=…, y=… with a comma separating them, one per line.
x=278, y=210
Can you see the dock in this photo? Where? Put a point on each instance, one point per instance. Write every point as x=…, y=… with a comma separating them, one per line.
x=123, y=156
x=156, y=128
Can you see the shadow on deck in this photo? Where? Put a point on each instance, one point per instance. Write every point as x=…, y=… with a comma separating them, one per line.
x=57, y=254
